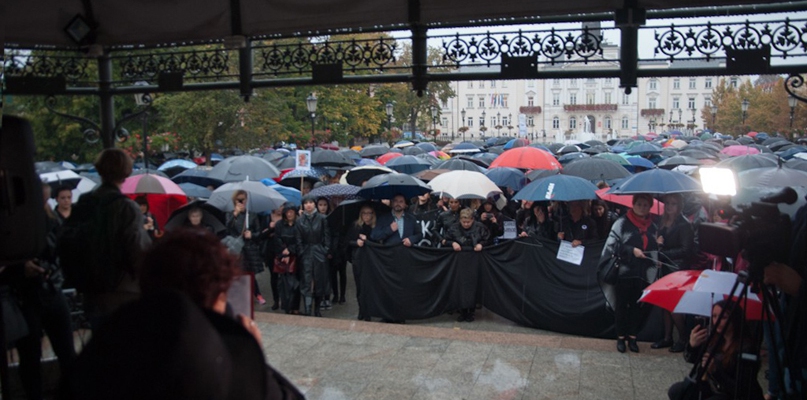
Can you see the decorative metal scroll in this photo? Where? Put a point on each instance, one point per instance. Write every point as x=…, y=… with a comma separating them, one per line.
x=355, y=55
x=786, y=38
x=547, y=46
x=196, y=64
x=793, y=83
x=44, y=64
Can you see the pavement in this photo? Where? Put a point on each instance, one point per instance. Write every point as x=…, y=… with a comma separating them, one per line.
x=339, y=357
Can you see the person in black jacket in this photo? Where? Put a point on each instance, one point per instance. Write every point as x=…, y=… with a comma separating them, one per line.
x=676, y=242
x=241, y=222
x=467, y=234
x=284, y=244
x=358, y=235
x=538, y=224
x=446, y=219
x=489, y=216
x=578, y=227
x=398, y=226
x=313, y=236
x=603, y=217
x=631, y=239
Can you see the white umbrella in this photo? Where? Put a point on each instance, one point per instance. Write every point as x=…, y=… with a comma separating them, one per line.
x=79, y=184
x=461, y=184
x=260, y=198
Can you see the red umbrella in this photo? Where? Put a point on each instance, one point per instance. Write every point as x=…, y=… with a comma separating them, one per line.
x=526, y=158
x=329, y=146
x=163, y=195
x=386, y=157
x=752, y=134
x=627, y=201
x=694, y=292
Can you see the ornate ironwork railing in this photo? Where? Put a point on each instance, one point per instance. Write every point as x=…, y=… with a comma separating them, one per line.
x=551, y=46
x=589, y=107
x=786, y=38
x=196, y=64
x=651, y=112
x=529, y=110
x=74, y=68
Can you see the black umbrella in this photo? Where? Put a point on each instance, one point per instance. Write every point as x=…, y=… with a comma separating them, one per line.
x=568, y=149
x=772, y=177
x=211, y=216
x=194, y=190
x=374, y=151
x=413, y=151
x=596, y=169
x=351, y=154
x=743, y=163
x=388, y=185
x=426, y=146
x=536, y=174
x=644, y=149
x=330, y=158
x=594, y=143
x=797, y=163
x=336, y=190
x=408, y=164
x=273, y=156
x=432, y=160
x=239, y=168
x=781, y=145
x=673, y=162
x=357, y=176
x=455, y=164
x=698, y=154
x=348, y=212
x=197, y=176
x=745, y=140
x=476, y=160
x=770, y=141
x=287, y=162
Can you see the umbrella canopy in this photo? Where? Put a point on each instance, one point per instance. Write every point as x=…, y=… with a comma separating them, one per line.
x=150, y=184
x=698, y=154
x=347, y=212
x=796, y=163
x=357, y=176
x=240, y=168
x=478, y=161
x=695, y=292
x=429, y=174
x=457, y=164
x=177, y=163
x=432, y=160
x=368, y=161
x=403, y=143
x=464, y=147
x=792, y=151
x=507, y=177
x=413, y=151
x=388, y=156
x=194, y=190
x=747, y=195
x=211, y=217
x=464, y=185
x=374, y=151
x=260, y=198
x=149, y=171
x=515, y=143
x=673, y=162
x=776, y=146
x=440, y=154
x=614, y=157
x=408, y=164
x=292, y=195
x=596, y=169
x=526, y=158
x=273, y=156
x=427, y=146
x=568, y=149
x=657, y=181
x=734, y=151
x=558, y=188
x=536, y=174
x=197, y=176
x=351, y=154
x=743, y=163
x=640, y=162
x=293, y=178
x=330, y=158
x=42, y=167
x=486, y=157
x=388, y=185
x=61, y=178
x=772, y=177
x=336, y=190
x=627, y=201
x=288, y=162
x=644, y=149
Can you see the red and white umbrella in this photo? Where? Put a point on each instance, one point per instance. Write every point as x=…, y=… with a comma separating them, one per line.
x=694, y=292
x=163, y=195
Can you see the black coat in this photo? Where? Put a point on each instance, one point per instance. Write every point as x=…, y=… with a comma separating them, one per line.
x=679, y=243
x=284, y=238
x=444, y=221
x=476, y=234
x=251, y=258
x=544, y=230
x=353, y=236
x=495, y=229
x=584, y=230
x=313, y=237
x=622, y=239
x=383, y=234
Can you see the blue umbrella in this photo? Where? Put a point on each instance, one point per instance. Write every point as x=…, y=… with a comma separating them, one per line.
x=368, y=161
x=388, y=185
x=569, y=157
x=427, y=146
x=216, y=157
x=486, y=157
x=789, y=153
x=291, y=194
x=515, y=143
x=194, y=190
x=641, y=162
x=408, y=164
x=540, y=146
x=507, y=177
x=558, y=188
x=657, y=181
x=187, y=164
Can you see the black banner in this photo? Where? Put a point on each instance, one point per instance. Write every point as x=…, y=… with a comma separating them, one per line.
x=521, y=280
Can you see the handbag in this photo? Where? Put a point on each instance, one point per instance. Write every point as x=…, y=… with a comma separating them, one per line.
x=13, y=321
x=608, y=270
x=281, y=267
x=233, y=243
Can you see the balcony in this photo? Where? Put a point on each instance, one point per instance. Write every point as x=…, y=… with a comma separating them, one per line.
x=530, y=110
x=589, y=107
x=652, y=112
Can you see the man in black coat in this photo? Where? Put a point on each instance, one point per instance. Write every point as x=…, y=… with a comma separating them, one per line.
x=398, y=226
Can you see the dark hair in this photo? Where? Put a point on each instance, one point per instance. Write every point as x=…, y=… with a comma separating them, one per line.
x=142, y=201
x=60, y=189
x=113, y=165
x=645, y=196
x=192, y=261
x=733, y=312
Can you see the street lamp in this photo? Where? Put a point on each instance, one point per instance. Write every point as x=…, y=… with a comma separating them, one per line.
x=483, y=121
x=792, y=102
x=680, y=116
x=311, y=104
x=463, y=124
x=389, y=117
x=499, y=124
x=144, y=100
x=510, y=124
x=670, y=121
x=714, y=117
x=434, y=121
x=744, y=107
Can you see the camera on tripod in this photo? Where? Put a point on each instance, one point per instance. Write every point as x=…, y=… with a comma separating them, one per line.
x=758, y=229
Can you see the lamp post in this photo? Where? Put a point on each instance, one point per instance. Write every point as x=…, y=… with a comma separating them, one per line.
x=714, y=117
x=144, y=100
x=389, y=109
x=434, y=121
x=744, y=107
x=483, y=121
x=680, y=116
x=670, y=121
x=792, y=102
x=510, y=124
x=693, y=119
x=463, y=124
x=311, y=104
x=499, y=124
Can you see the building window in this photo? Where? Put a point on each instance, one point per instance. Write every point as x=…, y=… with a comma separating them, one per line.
x=444, y=122
x=530, y=101
x=693, y=83
x=573, y=82
x=607, y=81
x=504, y=84
x=707, y=102
x=708, y=83
x=676, y=83
x=470, y=122
x=555, y=123
x=676, y=103
x=734, y=82
x=556, y=82
x=493, y=121
x=481, y=84
x=481, y=121
x=625, y=99
x=530, y=83
x=607, y=97
x=481, y=101
x=590, y=97
x=530, y=121
x=470, y=84
x=572, y=98
x=493, y=84
x=470, y=102
x=691, y=103
x=504, y=100
x=624, y=122
x=607, y=122
x=572, y=123
x=653, y=85
x=555, y=99
x=651, y=102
